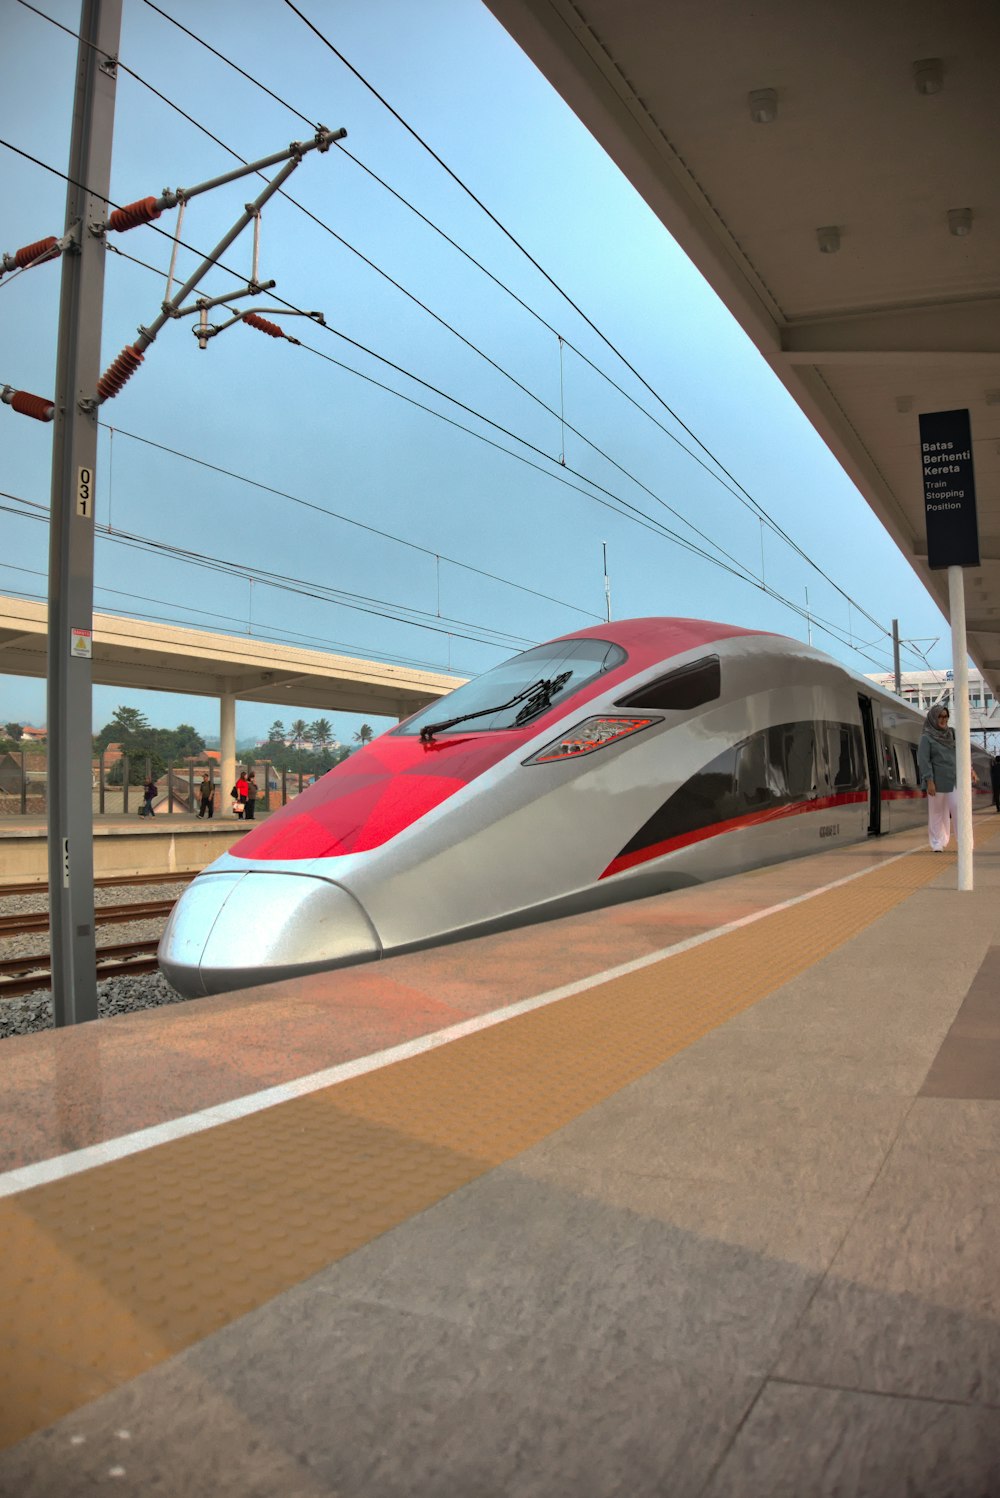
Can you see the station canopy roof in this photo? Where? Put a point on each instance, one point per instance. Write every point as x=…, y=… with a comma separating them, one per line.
x=885, y=128
x=140, y=656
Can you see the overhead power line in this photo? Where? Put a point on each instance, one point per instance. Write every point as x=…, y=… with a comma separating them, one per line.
x=741, y=570
x=322, y=593
x=738, y=491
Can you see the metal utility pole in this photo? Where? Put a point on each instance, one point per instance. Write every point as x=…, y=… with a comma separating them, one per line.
x=71, y=543
x=607, y=581
x=897, y=677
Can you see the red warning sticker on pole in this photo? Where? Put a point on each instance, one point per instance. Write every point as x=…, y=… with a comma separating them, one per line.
x=81, y=643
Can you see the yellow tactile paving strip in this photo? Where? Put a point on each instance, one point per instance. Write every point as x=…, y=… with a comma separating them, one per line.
x=110, y=1272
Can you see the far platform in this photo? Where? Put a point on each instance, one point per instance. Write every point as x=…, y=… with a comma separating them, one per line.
x=693, y=1196
x=171, y=842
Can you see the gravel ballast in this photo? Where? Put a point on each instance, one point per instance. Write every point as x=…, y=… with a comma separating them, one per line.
x=33, y=1011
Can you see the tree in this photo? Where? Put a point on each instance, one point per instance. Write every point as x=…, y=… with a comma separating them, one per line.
x=276, y=732
x=130, y=720
x=298, y=732
x=364, y=735
x=320, y=732
x=185, y=741
x=14, y=731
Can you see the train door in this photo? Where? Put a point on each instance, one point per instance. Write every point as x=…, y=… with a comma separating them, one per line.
x=871, y=719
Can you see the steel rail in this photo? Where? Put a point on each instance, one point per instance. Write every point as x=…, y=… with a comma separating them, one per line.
x=20, y=975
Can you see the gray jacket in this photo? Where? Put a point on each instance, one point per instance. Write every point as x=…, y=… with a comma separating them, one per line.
x=936, y=761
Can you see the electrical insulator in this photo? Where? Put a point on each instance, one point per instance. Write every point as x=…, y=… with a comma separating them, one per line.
x=29, y=253
x=28, y=405
x=133, y=214
x=263, y=325
x=116, y=374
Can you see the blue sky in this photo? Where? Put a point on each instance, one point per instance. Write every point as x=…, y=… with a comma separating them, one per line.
x=292, y=420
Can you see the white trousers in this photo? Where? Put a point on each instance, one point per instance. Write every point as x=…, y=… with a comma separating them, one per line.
x=942, y=819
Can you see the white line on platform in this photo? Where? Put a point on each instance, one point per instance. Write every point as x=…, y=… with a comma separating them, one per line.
x=61, y=1166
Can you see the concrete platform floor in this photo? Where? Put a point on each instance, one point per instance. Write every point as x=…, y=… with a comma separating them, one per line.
x=722, y=1218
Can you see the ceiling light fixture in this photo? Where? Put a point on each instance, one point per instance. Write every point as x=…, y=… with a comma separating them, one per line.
x=960, y=221
x=928, y=75
x=763, y=105
x=828, y=239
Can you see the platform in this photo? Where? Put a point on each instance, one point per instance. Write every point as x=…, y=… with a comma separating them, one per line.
x=694, y=1196
x=178, y=843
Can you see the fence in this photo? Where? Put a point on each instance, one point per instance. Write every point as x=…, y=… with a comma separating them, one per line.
x=24, y=786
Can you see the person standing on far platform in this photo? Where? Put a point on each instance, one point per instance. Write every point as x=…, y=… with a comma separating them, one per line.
x=241, y=790
x=206, y=793
x=995, y=780
x=938, y=774
x=149, y=795
x=252, y=794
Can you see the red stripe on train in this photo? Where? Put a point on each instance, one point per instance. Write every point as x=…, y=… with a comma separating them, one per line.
x=715, y=829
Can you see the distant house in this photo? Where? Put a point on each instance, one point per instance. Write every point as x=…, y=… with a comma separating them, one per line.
x=31, y=735
x=34, y=775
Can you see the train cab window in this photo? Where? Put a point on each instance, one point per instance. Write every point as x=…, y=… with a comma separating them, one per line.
x=503, y=697
x=689, y=687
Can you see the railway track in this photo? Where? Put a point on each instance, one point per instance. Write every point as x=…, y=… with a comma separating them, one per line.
x=111, y=882
x=107, y=915
x=19, y=975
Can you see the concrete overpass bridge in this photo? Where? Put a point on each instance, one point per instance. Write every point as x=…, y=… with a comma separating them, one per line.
x=140, y=656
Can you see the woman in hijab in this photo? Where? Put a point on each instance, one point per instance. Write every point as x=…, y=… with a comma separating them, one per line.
x=936, y=763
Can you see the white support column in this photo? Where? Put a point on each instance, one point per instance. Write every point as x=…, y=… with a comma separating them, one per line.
x=227, y=746
x=963, y=756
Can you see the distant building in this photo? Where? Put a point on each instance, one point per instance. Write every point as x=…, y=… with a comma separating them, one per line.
x=922, y=689
x=30, y=735
x=33, y=776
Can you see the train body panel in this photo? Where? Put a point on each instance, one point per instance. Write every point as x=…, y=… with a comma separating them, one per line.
x=655, y=754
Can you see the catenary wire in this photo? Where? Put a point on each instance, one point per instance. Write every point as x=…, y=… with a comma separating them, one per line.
x=272, y=634
x=241, y=571
x=633, y=512
x=346, y=519
x=739, y=491
x=468, y=343
x=418, y=619
x=757, y=508
x=620, y=505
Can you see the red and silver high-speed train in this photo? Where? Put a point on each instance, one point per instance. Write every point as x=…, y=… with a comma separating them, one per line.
x=612, y=763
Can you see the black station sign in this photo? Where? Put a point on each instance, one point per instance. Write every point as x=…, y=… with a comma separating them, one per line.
x=949, y=489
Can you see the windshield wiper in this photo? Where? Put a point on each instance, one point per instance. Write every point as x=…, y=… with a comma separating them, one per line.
x=536, y=697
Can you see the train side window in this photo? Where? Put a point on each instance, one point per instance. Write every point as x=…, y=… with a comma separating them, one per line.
x=903, y=762
x=681, y=690
x=753, y=780
x=703, y=801
x=844, y=756
x=800, y=759
x=889, y=761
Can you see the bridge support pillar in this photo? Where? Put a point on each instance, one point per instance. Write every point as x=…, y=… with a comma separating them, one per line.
x=227, y=747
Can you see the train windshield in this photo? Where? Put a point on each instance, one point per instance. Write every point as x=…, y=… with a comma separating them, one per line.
x=505, y=697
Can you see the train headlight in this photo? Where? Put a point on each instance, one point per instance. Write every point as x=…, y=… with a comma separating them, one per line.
x=585, y=737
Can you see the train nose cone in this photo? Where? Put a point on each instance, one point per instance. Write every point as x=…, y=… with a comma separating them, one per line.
x=234, y=929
